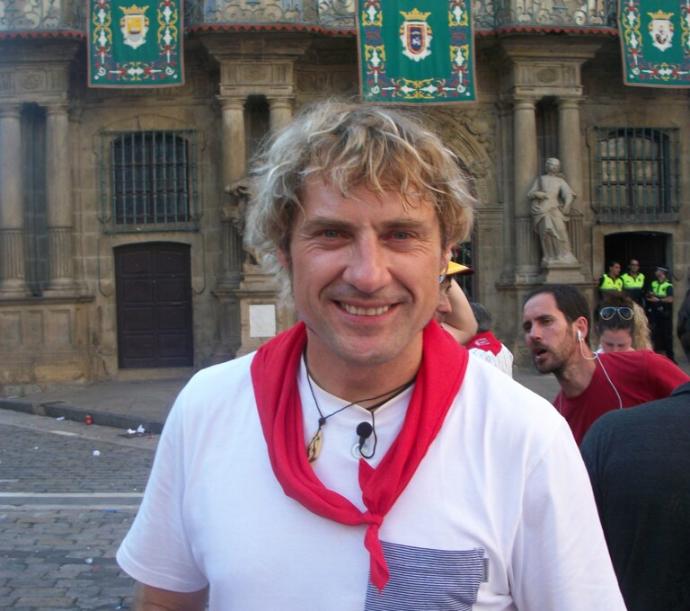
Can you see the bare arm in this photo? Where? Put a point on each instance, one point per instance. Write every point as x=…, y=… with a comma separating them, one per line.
x=148, y=598
x=460, y=321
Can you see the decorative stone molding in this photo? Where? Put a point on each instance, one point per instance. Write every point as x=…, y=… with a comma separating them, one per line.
x=267, y=11
x=538, y=73
x=61, y=263
x=12, y=278
x=470, y=135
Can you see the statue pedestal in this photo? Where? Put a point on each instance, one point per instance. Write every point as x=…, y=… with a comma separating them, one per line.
x=562, y=273
x=261, y=315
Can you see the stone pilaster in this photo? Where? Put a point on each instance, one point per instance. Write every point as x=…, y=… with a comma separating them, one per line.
x=12, y=258
x=234, y=141
x=570, y=143
x=524, y=171
x=59, y=200
x=281, y=110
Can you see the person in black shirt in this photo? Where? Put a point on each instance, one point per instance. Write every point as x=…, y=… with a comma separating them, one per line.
x=639, y=464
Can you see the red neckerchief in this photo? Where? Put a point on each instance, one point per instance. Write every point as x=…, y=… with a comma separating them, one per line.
x=486, y=341
x=274, y=377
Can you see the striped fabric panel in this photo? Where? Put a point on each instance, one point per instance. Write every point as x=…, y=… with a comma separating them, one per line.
x=428, y=579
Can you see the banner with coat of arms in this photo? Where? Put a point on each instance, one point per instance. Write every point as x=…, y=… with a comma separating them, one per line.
x=135, y=44
x=655, y=40
x=416, y=51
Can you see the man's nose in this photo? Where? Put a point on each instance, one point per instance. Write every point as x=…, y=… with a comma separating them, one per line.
x=368, y=265
x=534, y=334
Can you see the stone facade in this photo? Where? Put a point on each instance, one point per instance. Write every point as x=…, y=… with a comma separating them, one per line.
x=239, y=83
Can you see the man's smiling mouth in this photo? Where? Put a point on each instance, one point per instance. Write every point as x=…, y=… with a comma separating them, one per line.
x=359, y=311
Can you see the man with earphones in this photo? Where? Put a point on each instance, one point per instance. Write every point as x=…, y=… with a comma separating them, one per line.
x=556, y=324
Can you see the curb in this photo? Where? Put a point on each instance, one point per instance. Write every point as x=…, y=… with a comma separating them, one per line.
x=60, y=409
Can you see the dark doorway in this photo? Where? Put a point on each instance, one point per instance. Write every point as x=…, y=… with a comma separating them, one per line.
x=154, y=305
x=648, y=247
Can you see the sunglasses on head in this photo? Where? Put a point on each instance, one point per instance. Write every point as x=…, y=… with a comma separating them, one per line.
x=609, y=312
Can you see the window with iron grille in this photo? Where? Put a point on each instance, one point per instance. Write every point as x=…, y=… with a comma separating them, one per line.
x=152, y=180
x=637, y=175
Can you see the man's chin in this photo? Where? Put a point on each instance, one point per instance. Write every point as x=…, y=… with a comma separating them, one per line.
x=544, y=366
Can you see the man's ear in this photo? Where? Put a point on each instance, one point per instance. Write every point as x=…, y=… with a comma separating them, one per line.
x=582, y=326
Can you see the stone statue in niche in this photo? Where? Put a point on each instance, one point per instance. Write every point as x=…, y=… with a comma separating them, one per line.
x=551, y=201
x=235, y=212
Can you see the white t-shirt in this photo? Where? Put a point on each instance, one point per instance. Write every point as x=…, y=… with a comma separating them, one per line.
x=503, y=360
x=499, y=514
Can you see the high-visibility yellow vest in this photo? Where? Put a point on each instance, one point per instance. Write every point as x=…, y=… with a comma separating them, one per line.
x=633, y=282
x=609, y=284
x=660, y=289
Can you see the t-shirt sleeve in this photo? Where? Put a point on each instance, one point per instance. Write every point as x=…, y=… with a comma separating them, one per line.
x=156, y=551
x=663, y=375
x=560, y=559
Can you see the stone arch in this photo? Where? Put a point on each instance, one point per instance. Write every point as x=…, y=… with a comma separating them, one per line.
x=469, y=136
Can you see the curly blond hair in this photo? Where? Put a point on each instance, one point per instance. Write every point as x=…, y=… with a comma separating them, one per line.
x=351, y=145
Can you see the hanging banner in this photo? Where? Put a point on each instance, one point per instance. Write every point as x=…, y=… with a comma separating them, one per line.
x=135, y=44
x=416, y=51
x=655, y=41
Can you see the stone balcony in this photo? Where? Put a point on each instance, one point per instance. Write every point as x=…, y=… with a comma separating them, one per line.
x=333, y=15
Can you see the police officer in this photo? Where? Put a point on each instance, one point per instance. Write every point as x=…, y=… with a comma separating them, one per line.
x=611, y=282
x=660, y=311
x=633, y=281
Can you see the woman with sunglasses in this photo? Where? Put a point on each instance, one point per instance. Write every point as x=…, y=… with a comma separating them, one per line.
x=622, y=325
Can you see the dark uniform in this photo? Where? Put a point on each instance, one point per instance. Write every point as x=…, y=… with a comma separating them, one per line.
x=661, y=317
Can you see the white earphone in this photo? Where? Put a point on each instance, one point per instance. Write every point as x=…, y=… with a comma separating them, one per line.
x=579, y=335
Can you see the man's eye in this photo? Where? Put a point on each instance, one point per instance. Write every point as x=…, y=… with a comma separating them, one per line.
x=330, y=233
x=401, y=235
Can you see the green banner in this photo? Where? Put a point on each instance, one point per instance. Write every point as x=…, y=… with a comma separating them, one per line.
x=135, y=43
x=416, y=51
x=655, y=40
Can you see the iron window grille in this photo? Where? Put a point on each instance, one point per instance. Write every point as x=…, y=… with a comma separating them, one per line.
x=636, y=173
x=149, y=181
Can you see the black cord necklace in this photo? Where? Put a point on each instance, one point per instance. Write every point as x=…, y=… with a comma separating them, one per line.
x=314, y=447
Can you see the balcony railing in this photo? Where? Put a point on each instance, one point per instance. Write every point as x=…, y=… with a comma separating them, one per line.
x=30, y=15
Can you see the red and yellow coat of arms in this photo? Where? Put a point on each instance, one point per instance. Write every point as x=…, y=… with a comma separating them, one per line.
x=415, y=35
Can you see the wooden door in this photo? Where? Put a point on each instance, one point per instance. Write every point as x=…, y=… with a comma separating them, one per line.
x=154, y=305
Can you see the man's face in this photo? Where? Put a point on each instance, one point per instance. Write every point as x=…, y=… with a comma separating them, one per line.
x=660, y=275
x=365, y=270
x=634, y=266
x=615, y=270
x=550, y=338
x=616, y=340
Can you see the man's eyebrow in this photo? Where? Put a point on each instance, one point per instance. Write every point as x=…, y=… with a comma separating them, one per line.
x=322, y=222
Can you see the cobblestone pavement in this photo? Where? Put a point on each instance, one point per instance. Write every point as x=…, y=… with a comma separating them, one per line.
x=64, y=511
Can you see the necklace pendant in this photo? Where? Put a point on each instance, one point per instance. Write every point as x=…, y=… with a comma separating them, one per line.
x=314, y=447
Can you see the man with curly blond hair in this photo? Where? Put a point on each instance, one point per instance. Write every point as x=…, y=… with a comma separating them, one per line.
x=361, y=460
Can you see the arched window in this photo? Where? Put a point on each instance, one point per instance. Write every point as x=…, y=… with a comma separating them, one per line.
x=152, y=178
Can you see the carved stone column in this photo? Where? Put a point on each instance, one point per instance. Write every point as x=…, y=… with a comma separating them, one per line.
x=234, y=141
x=231, y=213
x=234, y=170
x=12, y=257
x=281, y=110
x=570, y=143
x=59, y=200
x=524, y=169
